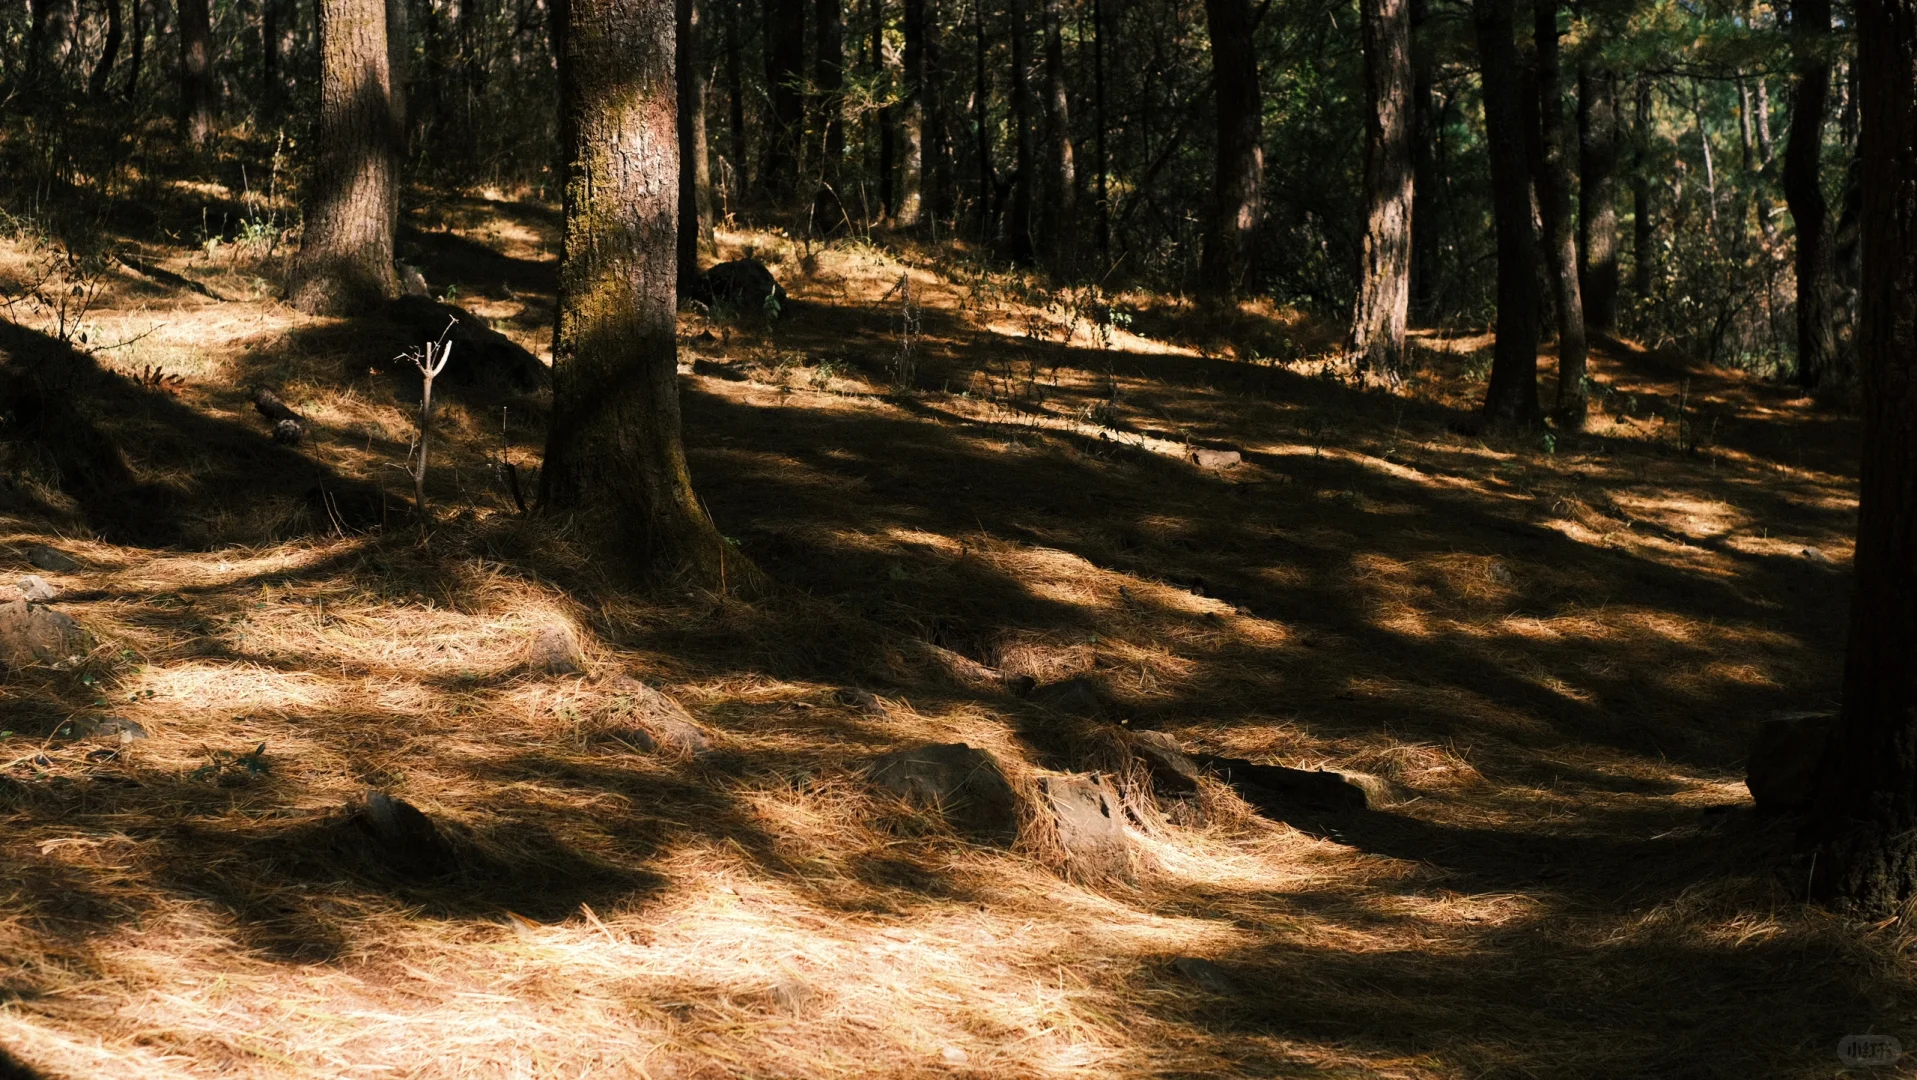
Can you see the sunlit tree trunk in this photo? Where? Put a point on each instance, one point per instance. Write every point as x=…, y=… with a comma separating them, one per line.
x=1512, y=397
x=695, y=201
x=1377, y=338
x=1061, y=181
x=613, y=451
x=1865, y=824
x=912, y=119
x=1554, y=201
x=196, y=71
x=1239, y=169
x=1803, y=189
x=345, y=261
x=1597, y=199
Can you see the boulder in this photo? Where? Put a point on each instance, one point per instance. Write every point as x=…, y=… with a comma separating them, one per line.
x=479, y=351
x=659, y=722
x=743, y=285
x=33, y=634
x=45, y=558
x=1091, y=826
x=961, y=783
x=1173, y=771
x=1785, y=755
x=1216, y=459
x=554, y=652
x=401, y=838
x=1280, y=790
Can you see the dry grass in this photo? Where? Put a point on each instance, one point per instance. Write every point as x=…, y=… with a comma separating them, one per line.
x=1554, y=655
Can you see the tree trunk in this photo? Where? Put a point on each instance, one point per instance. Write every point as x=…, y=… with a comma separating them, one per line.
x=109, y=51
x=1104, y=133
x=345, y=263
x=1018, y=231
x=829, y=73
x=399, y=55
x=1597, y=199
x=941, y=175
x=1061, y=181
x=912, y=119
x=1378, y=318
x=196, y=72
x=982, y=123
x=1803, y=190
x=49, y=42
x=1554, y=202
x=784, y=76
x=1643, y=253
x=735, y=101
x=613, y=452
x=270, y=84
x=1865, y=825
x=472, y=78
x=137, y=58
x=886, y=117
x=695, y=210
x=1512, y=398
x=1424, y=172
x=1239, y=170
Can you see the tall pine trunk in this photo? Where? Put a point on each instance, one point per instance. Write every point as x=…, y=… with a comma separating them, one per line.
x=1061, y=181
x=912, y=119
x=735, y=101
x=1597, y=198
x=109, y=52
x=1643, y=232
x=1238, y=171
x=784, y=74
x=1804, y=193
x=1424, y=170
x=613, y=450
x=941, y=174
x=695, y=201
x=1554, y=202
x=345, y=262
x=1511, y=400
x=136, y=59
x=1378, y=319
x=886, y=116
x=985, y=212
x=399, y=54
x=1865, y=824
x=828, y=71
x=196, y=71
x=1018, y=230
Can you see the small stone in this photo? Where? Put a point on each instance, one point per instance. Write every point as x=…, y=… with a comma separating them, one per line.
x=1818, y=558
x=961, y=783
x=1091, y=826
x=553, y=651
x=1209, y=976
x=31, y=634
x=661, y=722
x=863, y=700
x=1785, y=754
x=35, y=590
x=46, y=558
x=954, y=1055
x=1500, y=574
x=1216, y=459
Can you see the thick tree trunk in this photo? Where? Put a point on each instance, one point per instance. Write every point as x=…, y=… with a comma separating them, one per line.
x=1597, y=199
x=784, y=74
x=1512, y=398
x=1643, y=236
x=1018, y=230
x=1424, y=171
x=1061, y=182
x=613, y=454
x=196, y=72
x=695, y=203
x=1378, y=319
x=1554, y=202
x=1803, y=190
x=912, y=119
x=1866, y=818
x=1239, y=170
x=109, y=51
x=345, y=263
x=828, y=69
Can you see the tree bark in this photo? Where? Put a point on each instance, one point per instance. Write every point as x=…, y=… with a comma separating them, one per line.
x=1018, y=230
x=784, y=75
x=1104, y=132
x=1511, y=400
x=109, y=51
x=1643, y=237
x=1424, y=171
x=912, y=119
x=982, y=123
x=345, y=262
x=1239, y=169
x=886, y=116
x=399, y=54
x=695, y=202
x=735, y=101
x=613, y=452
x=1061, y=181
x=941, y=173
x=1554, y=203
x=136, y=59
x=1865, y=824
x=828, y=69
x=196, y=72
x=1803, y=190
x=1377, y=339
x=1597, y=199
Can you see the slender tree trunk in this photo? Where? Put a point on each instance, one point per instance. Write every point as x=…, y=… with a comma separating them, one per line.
x=345, y=262
x=695, y=204
x=109, y=51
x=613, y=452
x=1597, y=199
x=1424, y=171
x=940, y=171
x=886, y=117
x=196, y=72
x=1238, y=174
x=982, y=123
x=1554, y=199
x=1643, y=238
x=1865, y=824
x=784, y=75
x=1061, y=182
x=735, y=101
x=270, y=84
x=1377, y=339
x=1104, y=132
x=1018, y=230
x=472, y=78
x=49, y=42
x=912, y=119
x=1512, y=397
x=137, y=59
x=829, y=73
x=1803, y=190
x=1746, y=123
x=1764, y=119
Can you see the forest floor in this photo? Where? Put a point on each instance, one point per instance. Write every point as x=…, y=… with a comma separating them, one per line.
x=1555, y=650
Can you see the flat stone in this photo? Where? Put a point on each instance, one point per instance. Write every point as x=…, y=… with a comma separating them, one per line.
x=1280, y=790
x=554, y=652
x=46, y=558
x=1091, y=826
x=1785, y=754
x=1207, y=975
x=1173, y=771
x=962, y=784
x=32, y=634
x=35, y=590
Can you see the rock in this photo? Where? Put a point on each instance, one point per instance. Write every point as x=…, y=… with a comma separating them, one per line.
x=479, y=351
x=33, y=634
x=1173, y=771
x=864, y=701
x=46, y=558
x=108, y=727
x=954, y=1055
x=1079, y=696
x=1500, y=574
x=1280, y=790
x=1817, y=558
x=963, y=784
x=402, y=838
x=1785, y=755
x=1207, y=975
x=661, y=722
x=744, y=285
x=1091, y=826
x=717, y=370
x=1216, y=459
x=411, y=281
x=35, y=590
x=553, y=652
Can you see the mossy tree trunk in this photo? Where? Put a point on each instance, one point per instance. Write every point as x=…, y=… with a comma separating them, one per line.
x=1378, y=321
x=613, y=452
x=345, y=263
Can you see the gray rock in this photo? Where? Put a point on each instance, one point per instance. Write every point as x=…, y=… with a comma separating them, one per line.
x=1785, y=754
x=660, y=723
x=411, y=281
x=1216, y=459
x=46, y=558
x=1207, y=975
x=402, y=838
x=743, y=285
x=963, y=784
x=864, y=701
x=106, y=727
x=35, y=590
x=1091, y=826
x=554, y=653
x=1173, y=771
x=31, y=634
